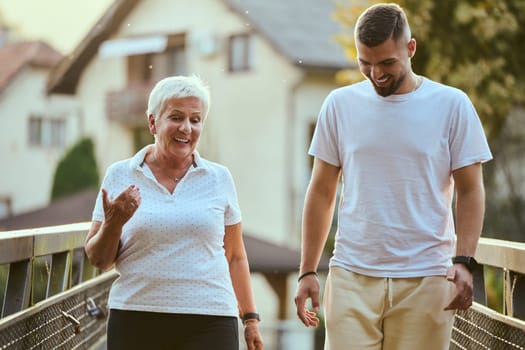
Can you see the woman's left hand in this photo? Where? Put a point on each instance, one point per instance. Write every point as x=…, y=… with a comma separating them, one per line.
x=252, y=335
x=119, y=210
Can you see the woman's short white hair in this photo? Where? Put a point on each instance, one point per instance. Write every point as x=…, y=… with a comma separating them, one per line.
x=178, y=86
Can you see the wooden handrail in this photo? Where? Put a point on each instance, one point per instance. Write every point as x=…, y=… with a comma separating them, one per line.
x=36, y=264
x=56, y=254
x=503, y=254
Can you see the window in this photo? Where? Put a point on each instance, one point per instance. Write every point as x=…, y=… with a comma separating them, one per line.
x=153, y=66
x=46, y=131
x=239, y=57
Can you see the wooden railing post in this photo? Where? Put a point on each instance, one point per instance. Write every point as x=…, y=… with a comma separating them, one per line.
x=40, y=277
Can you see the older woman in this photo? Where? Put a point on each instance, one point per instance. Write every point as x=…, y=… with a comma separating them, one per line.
x=169, y=222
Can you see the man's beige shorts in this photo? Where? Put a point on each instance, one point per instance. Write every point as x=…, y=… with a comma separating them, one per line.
x=387, y=313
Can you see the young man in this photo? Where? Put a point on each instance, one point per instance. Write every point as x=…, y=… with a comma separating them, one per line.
x=403, y=145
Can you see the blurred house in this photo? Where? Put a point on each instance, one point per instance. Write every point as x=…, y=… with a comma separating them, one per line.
x=36, y=127
x=269, y=64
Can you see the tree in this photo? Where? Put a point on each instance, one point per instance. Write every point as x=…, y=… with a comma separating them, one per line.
x=76, y=171
x=472, y=45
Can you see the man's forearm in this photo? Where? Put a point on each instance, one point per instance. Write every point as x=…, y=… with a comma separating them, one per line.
x=317, y=220
x=470, y=210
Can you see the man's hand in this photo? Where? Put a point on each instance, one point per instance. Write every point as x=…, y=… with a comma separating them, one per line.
x=462, y=278
x=308, y=288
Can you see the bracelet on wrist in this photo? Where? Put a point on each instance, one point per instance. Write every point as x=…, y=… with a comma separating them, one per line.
x=308, y=273
x=250, y=316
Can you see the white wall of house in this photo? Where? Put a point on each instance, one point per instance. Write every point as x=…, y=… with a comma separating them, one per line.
x=246, y=129
x=309, y=96
x=112, y=140
x=28, y=170
x=250, y=128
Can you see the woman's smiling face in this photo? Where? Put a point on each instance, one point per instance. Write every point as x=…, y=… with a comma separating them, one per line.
x=178, y=126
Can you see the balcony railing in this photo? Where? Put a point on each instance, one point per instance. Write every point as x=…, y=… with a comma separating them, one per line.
x=51, y=296
x=128, y=106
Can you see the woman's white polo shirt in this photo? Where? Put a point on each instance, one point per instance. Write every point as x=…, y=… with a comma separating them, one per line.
x=171, y=256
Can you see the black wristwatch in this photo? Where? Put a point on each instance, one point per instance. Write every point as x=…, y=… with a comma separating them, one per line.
x=250, y=316
x=468, y=261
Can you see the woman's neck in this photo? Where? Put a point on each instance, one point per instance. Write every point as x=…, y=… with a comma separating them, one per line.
x=164, y=167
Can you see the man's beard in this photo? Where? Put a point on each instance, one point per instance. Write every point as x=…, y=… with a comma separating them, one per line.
x=390, y=89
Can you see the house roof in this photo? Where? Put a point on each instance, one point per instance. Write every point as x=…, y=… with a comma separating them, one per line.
x=15, y=56
x=64, y=78
x=264, y=256
x=67, y=210
x=301, y=30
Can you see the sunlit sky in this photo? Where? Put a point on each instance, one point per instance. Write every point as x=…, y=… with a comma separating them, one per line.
x=61, y=23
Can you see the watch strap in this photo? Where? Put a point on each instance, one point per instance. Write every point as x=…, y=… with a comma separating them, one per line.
x=468, y=261
x=250, y=316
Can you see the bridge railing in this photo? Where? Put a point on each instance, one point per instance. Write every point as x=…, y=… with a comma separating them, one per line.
x=52, y=297
x=508, y=258
x=39, y=263
x=482, y=327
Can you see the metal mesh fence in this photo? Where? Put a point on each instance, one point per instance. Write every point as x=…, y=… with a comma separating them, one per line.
x=475, y=330
x=74, y=322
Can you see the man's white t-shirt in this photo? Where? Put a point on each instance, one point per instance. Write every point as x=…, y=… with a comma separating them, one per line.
x=171, y=257
x=397, y=154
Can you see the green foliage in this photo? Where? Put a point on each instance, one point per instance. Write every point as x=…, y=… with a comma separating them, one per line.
x=476, y=46
x=472, y=45
x=76, y=171
x=494, y=287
